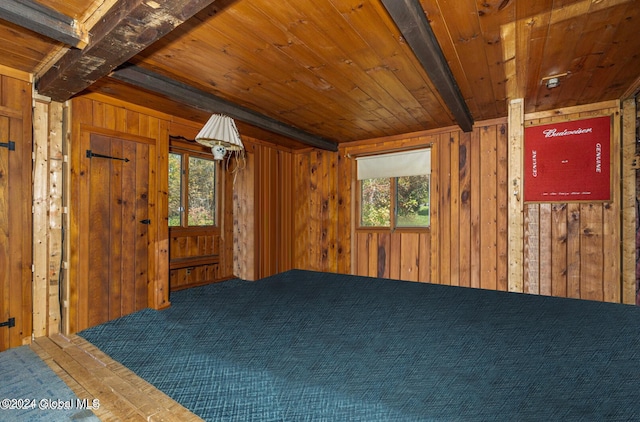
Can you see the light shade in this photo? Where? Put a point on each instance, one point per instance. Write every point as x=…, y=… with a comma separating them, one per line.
x=221, y=135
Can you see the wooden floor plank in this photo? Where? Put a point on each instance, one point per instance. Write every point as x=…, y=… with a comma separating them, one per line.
x=91, y=374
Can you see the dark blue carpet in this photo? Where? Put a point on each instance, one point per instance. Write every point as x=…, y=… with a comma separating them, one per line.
x=307, y=346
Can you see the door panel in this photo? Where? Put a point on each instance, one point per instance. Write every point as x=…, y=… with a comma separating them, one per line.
x=15, y=234
x=117, y=201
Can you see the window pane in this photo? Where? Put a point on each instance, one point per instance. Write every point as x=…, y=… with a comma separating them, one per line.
x=201, y=192
x=412, y=202
x=175, y=189
x=375, y=203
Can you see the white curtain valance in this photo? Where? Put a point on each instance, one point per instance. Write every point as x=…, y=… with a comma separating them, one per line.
x=396, y=164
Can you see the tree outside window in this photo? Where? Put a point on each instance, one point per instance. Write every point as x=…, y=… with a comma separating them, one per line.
x=395, y=190
x=192, y=190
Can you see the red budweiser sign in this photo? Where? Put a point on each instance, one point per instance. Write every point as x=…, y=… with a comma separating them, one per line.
x=568, y=161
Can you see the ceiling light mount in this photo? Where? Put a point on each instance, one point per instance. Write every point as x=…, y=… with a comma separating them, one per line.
x=553, y=81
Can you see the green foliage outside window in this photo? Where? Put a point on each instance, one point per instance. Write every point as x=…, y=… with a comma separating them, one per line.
x=376, y=202
x=202, y=196
x=175, y=189
x=410, y=203
x=197, y=191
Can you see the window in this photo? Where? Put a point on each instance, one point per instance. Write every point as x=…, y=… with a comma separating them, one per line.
x=192, y=190
x=394, y=189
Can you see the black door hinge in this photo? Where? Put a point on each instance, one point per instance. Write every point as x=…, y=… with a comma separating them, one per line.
x=11, y=322
x=11, y=145
x=145, y=221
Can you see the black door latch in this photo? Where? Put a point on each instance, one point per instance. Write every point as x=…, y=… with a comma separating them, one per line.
x=11, y=322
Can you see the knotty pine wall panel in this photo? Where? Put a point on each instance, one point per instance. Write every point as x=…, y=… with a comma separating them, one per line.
x=316, y=212
x=466, y=244
x=573, y=249
x=265, y=199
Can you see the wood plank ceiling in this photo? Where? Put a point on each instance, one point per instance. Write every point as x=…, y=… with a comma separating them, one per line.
x=330, y=71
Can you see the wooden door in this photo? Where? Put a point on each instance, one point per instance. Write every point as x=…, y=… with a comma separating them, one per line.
x=15, y=231
x=114, y=228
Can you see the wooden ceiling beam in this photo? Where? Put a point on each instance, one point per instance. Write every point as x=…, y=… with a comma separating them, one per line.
x=126, y=29
x=44, y=21
x=410, y=19
x=186, y=94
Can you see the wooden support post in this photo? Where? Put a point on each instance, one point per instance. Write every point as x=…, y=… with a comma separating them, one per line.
x=516, y=216
x=40, y=220
x=47, y=215
x=56, y=159
x=628, y=201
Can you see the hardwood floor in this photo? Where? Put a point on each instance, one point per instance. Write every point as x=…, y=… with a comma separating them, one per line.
x=91, y=374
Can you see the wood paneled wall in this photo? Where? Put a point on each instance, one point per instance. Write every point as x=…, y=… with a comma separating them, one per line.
x=264, y=225
x=573, y=249
x=569, y=250
x=466, y=243
x=317, y=214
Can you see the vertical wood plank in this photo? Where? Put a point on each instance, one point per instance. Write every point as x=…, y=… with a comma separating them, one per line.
x=372, y=259
x=157, y=290
x=628, y=201
x=301, y=213
x=315, y=209
x=502, y=217
x=559, y=250
x=128, y=239
x=574, y=270
x=516, y=211
x=464, y=170
x=445, y=223
x=40, y=218
x=16, y=95
x=434, y=212
x=475, y=201
x=244, y=220
x=532, y=249
x=454, y=142
x=78, y=241
x=98, y=273
x=324, y=198
x=591, y=253
x=488, y=211
x=362, y=248
x=383, y=255
x=116, y=283
x=149, y=288
x=56, y=189
x=345, y=220
x=409, y=257
x=395, y=259
x=545, y=253
x=612, y=220
x=333, y=217
x=424, y=274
